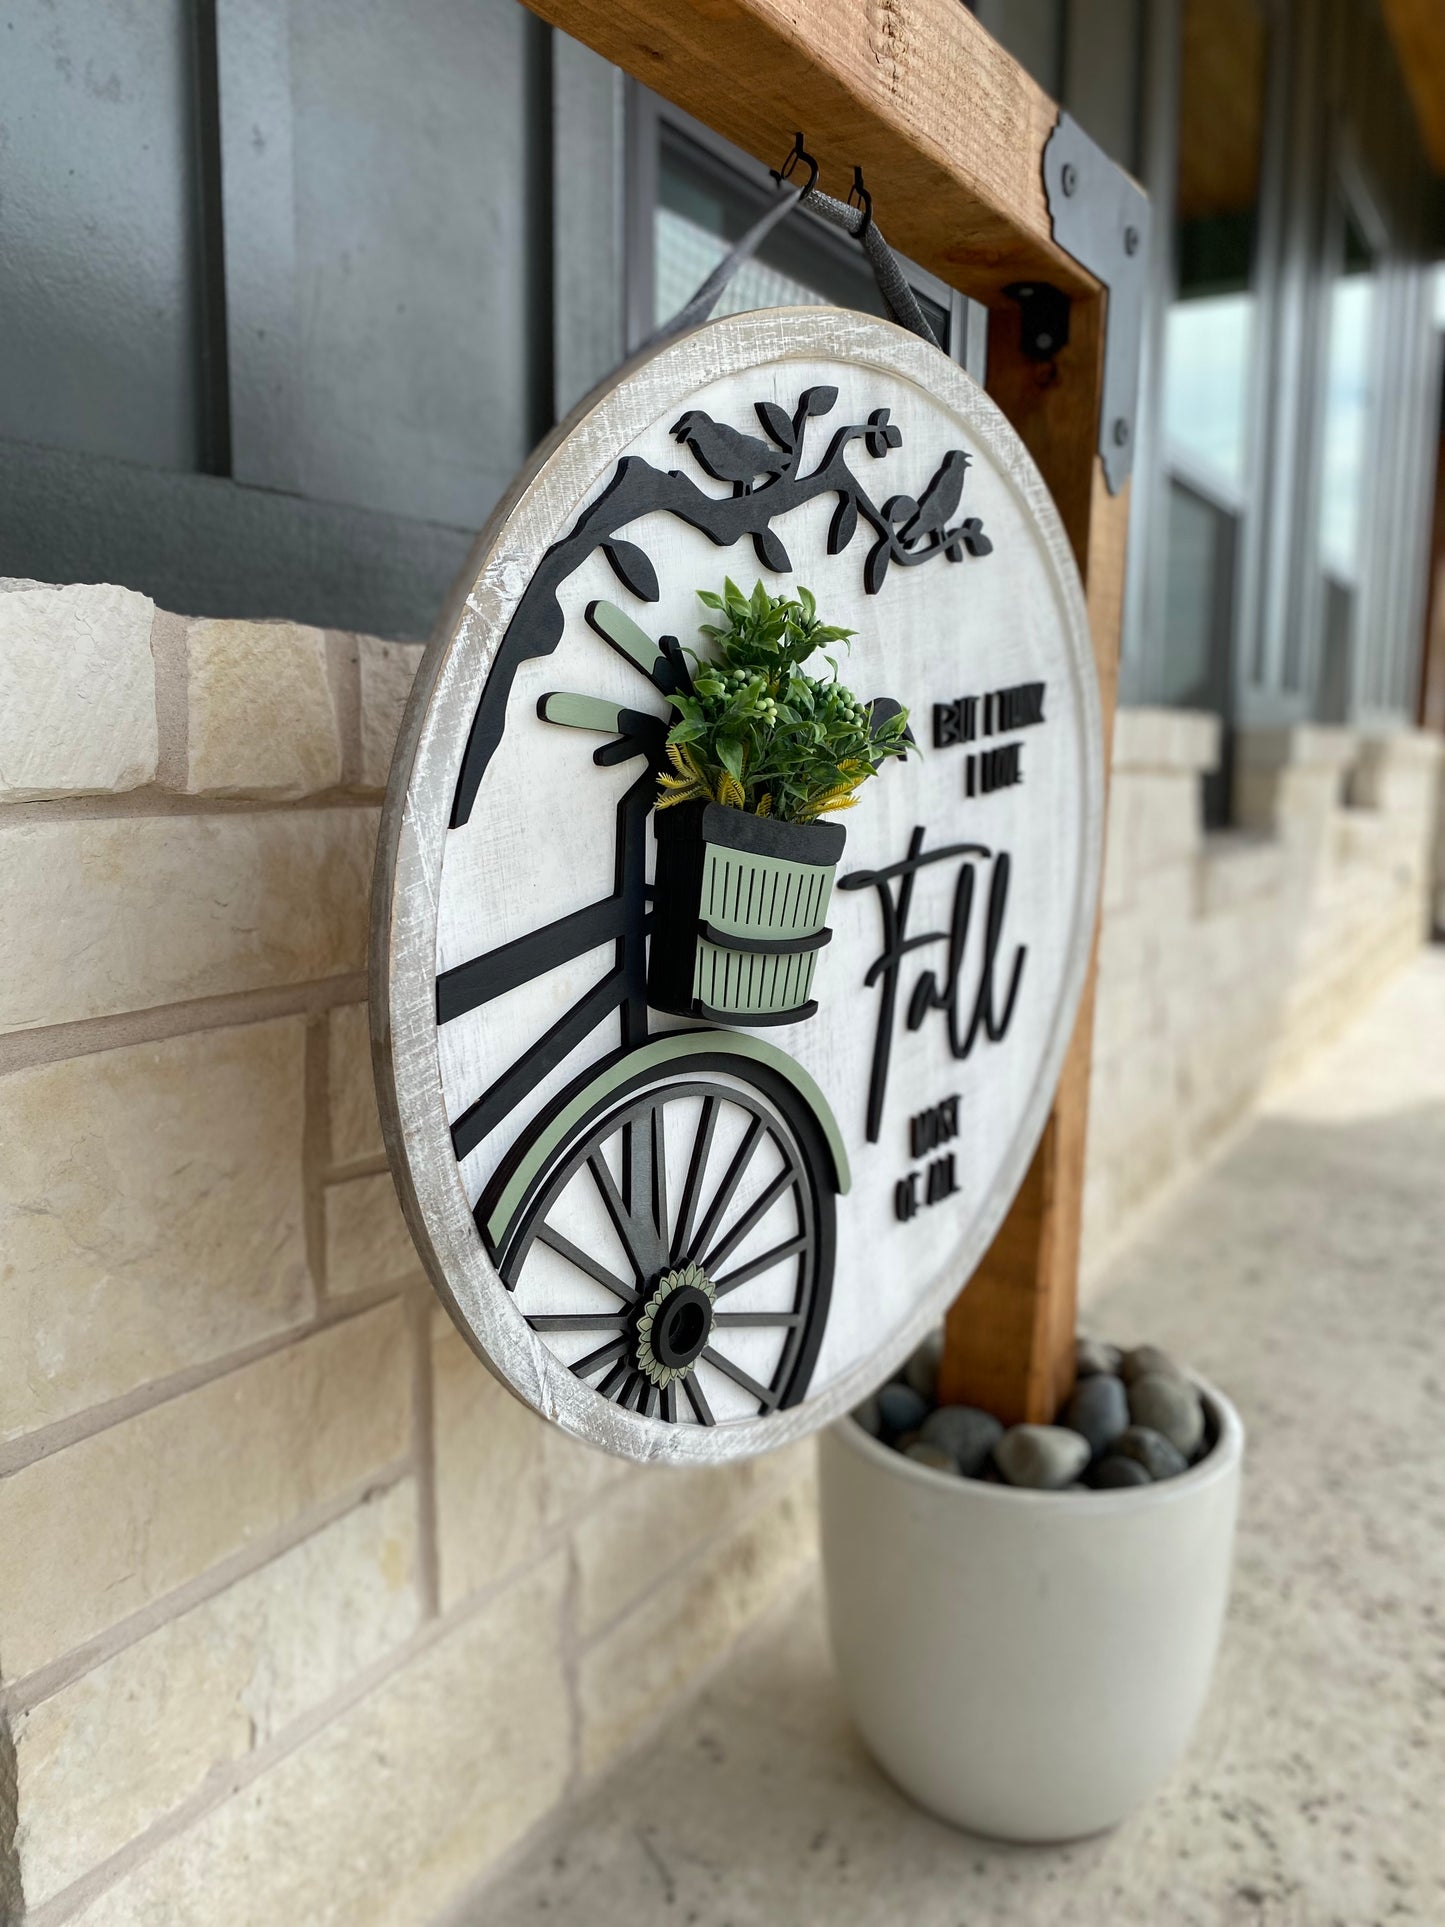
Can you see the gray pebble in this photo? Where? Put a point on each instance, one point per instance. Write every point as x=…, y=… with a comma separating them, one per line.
x=1146, y=1358
x=965, y=1433
x=1099, y=1409
x=1152, y=1450
x=1169, y=1405
x=869, y=1417
x=921, y=1371
x=901, y=1409
x=1117, y=1471
x=1092, y=1355
x=922, y=1453
x=1045, y=1457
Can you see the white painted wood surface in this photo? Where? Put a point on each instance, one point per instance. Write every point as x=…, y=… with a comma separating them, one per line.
x=540, y=844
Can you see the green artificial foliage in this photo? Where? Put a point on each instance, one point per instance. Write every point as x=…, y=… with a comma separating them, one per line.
x=758, y=732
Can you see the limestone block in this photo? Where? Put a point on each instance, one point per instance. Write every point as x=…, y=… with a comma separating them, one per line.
x=151, y=1214
x=1166, y=820
x=637, y=1668
x=626, y=1541
x=126, y=914
x=355, y=1126
x=1298, y=745
x=367, y=1242
x=120, y=1747
x=504, y=1478
x=77, y=691
x=1117, y=877
x=1239, y=866
x=1179, y=740
x=1134, y=1096
x=388, y=670
x=123, y=1517
x=388, y=1813
x=1127, y=1016
x=261, y=719
x=1399, y=773
x=1125, y=948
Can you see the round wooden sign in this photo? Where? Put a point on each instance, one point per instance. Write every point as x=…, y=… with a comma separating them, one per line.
x=702, y=1117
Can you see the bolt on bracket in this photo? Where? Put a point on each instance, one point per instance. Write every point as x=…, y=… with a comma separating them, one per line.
x=1101, y=217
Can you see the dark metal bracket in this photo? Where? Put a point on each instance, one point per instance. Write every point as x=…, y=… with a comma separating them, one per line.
x=1101, y=218
x=1043, y=318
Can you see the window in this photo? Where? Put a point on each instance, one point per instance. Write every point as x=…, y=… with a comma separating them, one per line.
x=1347, y=409
x=1211, y=346
x=693, y=195
x=1349, y=385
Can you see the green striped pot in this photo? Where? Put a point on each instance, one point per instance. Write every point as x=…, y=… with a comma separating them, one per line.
x=738, y=914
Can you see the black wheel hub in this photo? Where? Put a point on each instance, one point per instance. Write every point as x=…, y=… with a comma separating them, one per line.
x=675, y=1324
x=681, y=1329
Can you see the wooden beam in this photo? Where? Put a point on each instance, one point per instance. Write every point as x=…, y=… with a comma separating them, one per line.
x=1009, y=1339
x=1417, y=28
x=949, y=131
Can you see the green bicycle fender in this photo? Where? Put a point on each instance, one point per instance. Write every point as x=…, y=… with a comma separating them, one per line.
x=661, y=1051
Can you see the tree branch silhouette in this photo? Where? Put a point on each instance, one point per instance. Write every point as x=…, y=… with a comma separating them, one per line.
x=638, y=489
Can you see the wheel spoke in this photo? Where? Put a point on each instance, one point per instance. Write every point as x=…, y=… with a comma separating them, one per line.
x=594, y=1361
x=647, y=1239
x=669, y=1402
x=738, y=1376
x=621, y=1374
x=585, y=1321
x=755, y=1213
x=695, y=1398
x=659, y=1178
x=697, y=1164
x=618, y=1212
x=765, y=1262
x=791, y=1318
x=584, y=1261
x=742, y=1158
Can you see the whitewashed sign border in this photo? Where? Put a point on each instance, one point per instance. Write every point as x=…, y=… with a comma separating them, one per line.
x=574, y=462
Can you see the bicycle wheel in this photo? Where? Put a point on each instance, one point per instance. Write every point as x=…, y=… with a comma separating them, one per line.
x=678, y=1253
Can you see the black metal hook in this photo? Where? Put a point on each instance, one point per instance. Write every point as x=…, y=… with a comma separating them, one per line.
x=797, y=152
x=858, y=196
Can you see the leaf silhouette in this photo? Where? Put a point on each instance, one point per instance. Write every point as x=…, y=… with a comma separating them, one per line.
x=777, y=422
x=819, y=401
x=771, y=552
x=876, y=567
x=844, y=525
x=632, y=569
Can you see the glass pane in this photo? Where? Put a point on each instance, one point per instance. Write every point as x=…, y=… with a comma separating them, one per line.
x=1333, y=699
x=1348, y=395
x=1210, y=338
x=1199, y=591
x=702, y=209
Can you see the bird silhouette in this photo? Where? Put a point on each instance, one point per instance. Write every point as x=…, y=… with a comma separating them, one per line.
x=939, y=500
x=725, y=453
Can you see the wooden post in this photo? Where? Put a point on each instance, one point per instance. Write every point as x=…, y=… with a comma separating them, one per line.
x=1009, y=1339
x=950, y=133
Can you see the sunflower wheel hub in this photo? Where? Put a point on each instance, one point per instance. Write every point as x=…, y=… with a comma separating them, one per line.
x=675, y=1325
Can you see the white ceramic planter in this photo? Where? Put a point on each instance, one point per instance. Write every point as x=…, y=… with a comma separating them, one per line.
x=1028, y=1665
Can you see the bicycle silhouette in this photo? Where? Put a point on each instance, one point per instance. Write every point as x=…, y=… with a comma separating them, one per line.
x=712, y=1154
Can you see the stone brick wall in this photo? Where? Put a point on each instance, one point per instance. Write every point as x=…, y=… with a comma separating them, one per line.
x=302, y=1618
x=1225, y=959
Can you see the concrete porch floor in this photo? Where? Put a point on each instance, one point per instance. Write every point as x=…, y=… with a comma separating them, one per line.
x=1304, y=1273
